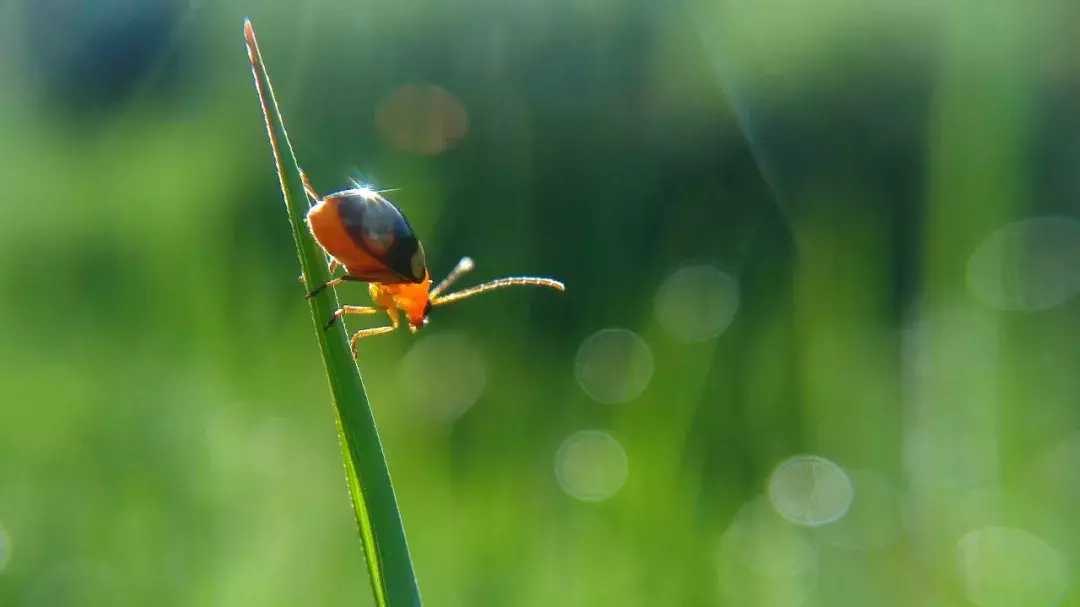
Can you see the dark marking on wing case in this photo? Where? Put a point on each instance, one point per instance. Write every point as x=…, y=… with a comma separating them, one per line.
x=378, y=227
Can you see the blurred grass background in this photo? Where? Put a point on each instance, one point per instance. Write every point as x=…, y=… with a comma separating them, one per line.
x=834, y=228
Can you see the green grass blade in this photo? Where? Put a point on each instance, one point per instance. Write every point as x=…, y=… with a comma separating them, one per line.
x=381, y=530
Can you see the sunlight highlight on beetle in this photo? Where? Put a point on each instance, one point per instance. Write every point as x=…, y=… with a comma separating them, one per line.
x=442, y=376
x=591, y=466
x=810, y=490
x=696, y=303
x=614, y=365
x=1005, y=566
x=365, y=190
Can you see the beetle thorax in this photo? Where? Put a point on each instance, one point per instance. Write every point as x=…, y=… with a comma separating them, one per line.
x=410, y=298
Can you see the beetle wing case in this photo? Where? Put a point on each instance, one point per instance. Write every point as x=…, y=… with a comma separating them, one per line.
x=369, y=236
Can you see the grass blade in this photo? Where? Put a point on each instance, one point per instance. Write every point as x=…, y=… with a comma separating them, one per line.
x=381, y=529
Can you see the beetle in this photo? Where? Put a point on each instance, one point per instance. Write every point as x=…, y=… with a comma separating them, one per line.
x=366, y=234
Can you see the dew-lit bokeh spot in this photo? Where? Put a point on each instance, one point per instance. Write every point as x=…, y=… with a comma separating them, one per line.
x=5, y=548
x=591, y=465
x=422, y=118
x=810, y=490
x=1054, y=469
x=614, y=365
x=696, y=303
x=1005, y=566
x=873, y=522
x=442, y=375
x=1027, y=265
x=764, y=560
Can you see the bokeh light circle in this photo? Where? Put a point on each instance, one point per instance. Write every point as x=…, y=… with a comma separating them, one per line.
x=810, y=490
x=763, y=560
x=1004, y=566
x=442, y=375
x=1028, y=265
x=5, y=548
x=591, y=466
x=873, y=522
x=614, y=365
x=421, y=118
x=696, y=303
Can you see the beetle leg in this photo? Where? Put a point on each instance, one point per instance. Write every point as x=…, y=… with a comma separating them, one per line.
x=348, y=310
x=332, y=283
x=308, y=188
x=362, y=333
x=314, y=196
x=331, y=267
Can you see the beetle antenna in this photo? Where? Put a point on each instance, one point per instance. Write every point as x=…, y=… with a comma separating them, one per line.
x=498, y=284
x=465, y=265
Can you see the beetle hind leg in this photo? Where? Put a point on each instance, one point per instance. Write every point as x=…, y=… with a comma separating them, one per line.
x=308, y=188
x=331, y=267
x=331, y=283
x=362, y=333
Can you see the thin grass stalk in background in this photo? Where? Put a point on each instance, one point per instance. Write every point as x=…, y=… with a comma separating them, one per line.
x=381, y=530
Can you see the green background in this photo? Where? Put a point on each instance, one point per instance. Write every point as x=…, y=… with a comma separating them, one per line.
x=165, y=429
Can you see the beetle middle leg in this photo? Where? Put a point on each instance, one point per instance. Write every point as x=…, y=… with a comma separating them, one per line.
x=348, y=310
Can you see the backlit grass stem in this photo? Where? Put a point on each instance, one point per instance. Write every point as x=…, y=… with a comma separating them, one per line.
x=381, y=530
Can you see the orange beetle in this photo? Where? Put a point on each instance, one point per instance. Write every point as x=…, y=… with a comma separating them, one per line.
x=364, y=232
